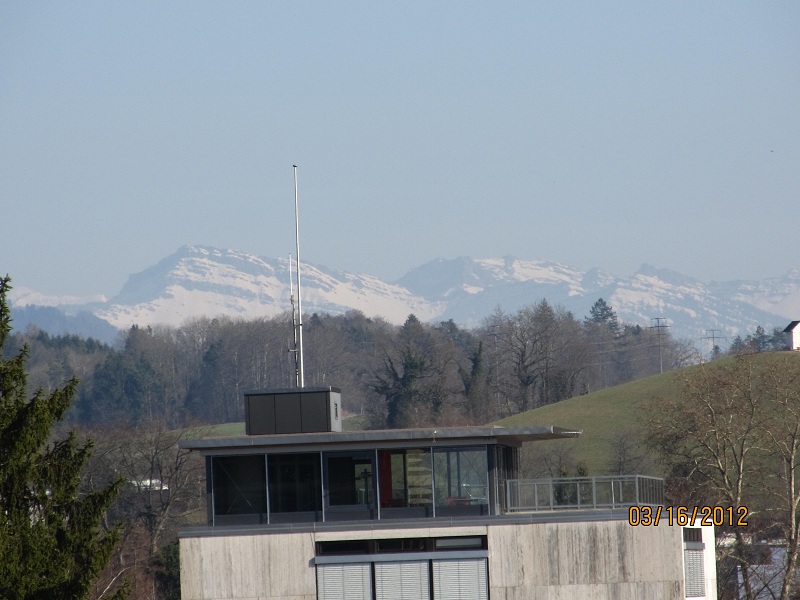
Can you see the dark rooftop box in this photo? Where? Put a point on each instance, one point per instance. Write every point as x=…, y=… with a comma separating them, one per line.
x=293, y=410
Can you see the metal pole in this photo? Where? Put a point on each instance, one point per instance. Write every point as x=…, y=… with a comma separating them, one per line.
x=433, y=483
x=299, y=297
x=375, y=484
x=294, y=325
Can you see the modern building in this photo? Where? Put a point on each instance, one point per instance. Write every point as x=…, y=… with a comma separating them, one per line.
x=308, y=512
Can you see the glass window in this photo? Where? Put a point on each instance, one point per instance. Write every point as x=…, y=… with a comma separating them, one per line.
x=453, y=543
x=461, y=477
x=405, y=478
x=240, y=485
x=350, y=480
x=295, y=483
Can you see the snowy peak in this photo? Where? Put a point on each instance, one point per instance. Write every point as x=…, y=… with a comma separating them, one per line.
x=776, y=295
x=200, y=268
x=201, y=281
x=651, y=273
x=448, y=278
x=21, y=296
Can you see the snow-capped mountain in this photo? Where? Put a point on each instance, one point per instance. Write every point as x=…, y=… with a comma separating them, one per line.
x=473, y=289
x=201, y=281
x=776, y=295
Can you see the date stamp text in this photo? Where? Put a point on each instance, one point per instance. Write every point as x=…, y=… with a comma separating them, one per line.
x=693, y=516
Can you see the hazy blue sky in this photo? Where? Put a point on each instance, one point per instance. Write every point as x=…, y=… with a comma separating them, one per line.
x=591, y=133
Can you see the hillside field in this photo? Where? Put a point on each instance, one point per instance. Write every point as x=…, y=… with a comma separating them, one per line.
x=602, y=416
x=605, y=415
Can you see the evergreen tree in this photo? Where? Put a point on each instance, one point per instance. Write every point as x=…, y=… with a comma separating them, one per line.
x=601, y=313
x=51, y=544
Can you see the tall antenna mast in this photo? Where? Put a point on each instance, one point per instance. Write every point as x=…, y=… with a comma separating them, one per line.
x=299, y=326
x=293, y=350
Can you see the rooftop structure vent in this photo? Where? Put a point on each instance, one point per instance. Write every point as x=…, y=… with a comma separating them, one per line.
x=293, y=410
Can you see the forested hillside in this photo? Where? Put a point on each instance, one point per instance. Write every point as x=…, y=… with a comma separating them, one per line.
x=392, y=376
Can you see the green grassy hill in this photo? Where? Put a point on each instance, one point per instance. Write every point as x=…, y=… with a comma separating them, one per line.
x=605, y=415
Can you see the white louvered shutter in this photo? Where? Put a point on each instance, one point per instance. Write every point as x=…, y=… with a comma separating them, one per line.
x=693, y=573
x=352, y=581
x=407, y=580
x=460, y=579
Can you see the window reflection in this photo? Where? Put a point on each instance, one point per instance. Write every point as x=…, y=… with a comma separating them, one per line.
x=350, y=480
x=294, y=483
x=240, y=486
x=405, y=478
x=461, y=477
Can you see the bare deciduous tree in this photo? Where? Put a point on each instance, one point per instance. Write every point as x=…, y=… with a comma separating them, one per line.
x=163, y=492
x=732, y=438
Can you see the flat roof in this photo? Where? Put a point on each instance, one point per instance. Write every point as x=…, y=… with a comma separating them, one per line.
x=383, y=438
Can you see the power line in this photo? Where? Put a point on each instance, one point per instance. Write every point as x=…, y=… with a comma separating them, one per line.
x=659, y=333
x=714, y=337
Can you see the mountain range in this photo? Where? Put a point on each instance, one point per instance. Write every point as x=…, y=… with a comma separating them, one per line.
x=200, y=281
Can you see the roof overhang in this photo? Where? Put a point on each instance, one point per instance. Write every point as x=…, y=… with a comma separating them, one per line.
x=378, y=439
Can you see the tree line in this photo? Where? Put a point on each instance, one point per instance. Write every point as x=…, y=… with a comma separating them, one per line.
x=391, y=376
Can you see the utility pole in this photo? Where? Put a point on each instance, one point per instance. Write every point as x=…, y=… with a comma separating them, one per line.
x=659, y=333
x=714, y=336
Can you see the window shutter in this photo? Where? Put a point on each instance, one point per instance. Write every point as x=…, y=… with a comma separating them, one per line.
x=351, y=581
x=693, y=573
x=460, y=579
x=402, y=580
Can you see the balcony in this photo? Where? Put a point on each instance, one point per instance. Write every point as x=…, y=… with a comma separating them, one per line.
x=613, y=491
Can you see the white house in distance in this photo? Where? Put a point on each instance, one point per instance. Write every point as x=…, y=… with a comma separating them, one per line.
x=792, y=332
x=300, y=510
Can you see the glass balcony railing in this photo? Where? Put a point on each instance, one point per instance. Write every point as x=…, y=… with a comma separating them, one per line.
x=613, y=491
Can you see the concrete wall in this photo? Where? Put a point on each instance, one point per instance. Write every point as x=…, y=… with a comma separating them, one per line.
x=248, y=567
x=586, y=561
x=602, y=560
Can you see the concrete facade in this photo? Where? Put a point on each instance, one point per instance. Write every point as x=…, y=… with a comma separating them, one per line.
x=248, y=567
x=597, y=560
x=581, y=560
